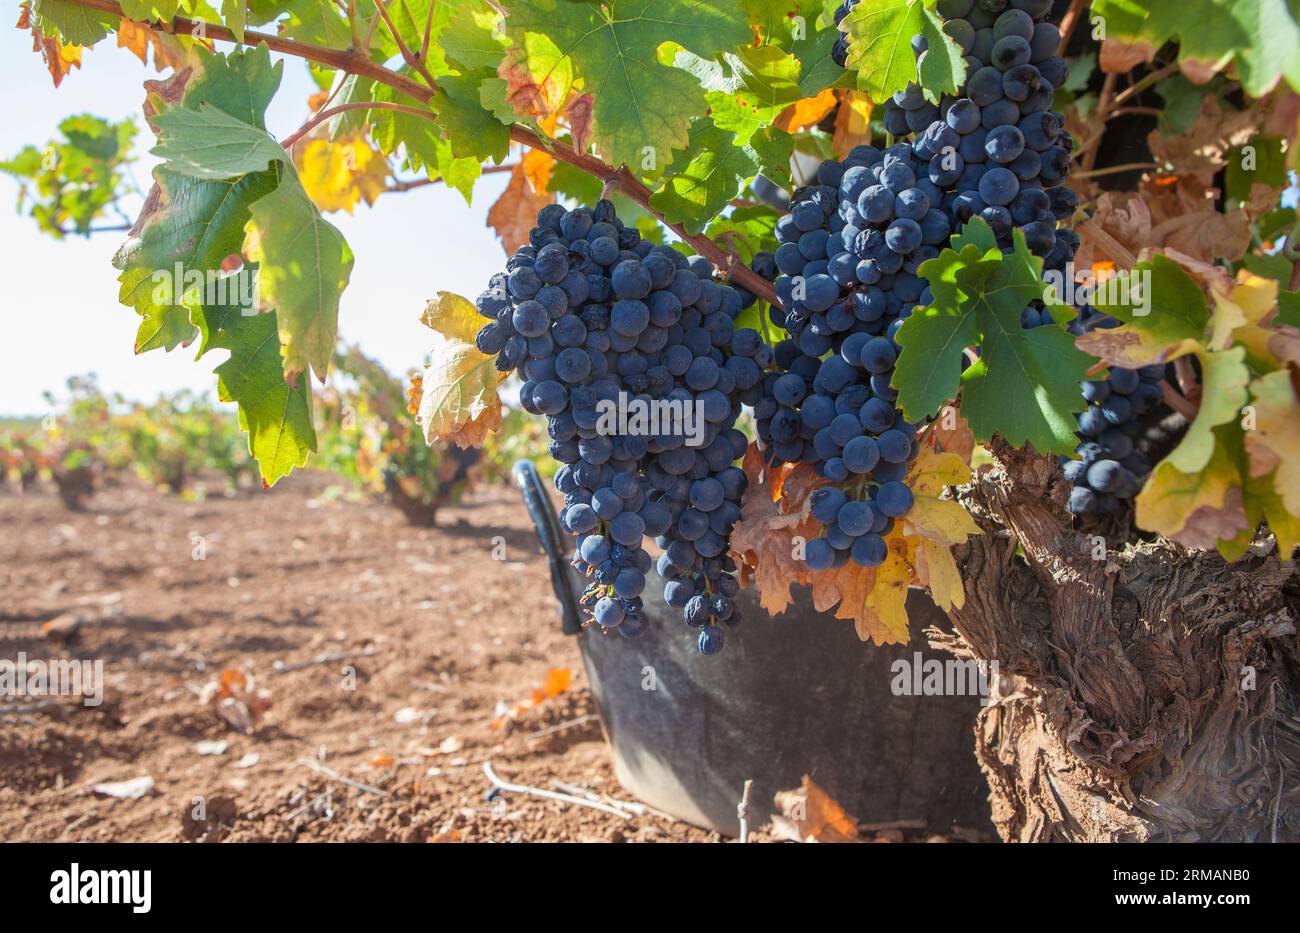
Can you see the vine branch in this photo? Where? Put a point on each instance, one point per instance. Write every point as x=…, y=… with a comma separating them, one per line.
x=352, y=62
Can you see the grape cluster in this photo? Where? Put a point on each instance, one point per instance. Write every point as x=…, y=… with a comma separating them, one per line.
x=999, y=152
x=1111, y=467
x=597, y=320
x=847, y=266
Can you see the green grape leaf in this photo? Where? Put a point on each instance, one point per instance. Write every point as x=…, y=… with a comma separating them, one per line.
x=642, y=108
x=234, y=13
x=745, y=231
x=1288, y=309
x=319, y=22
x=197, y=224
x=715, y=170
x=471, y=129
x=241, y=83
x=305, y=265
x=304, y=261
x=1163, y=310
x=1183, y=101
x=78, y=25
x=1267, y=166
x=144, y=10
x=1225, y=377
x=1259, y=36
x=1024, y=386
x=210, y=143
x=70, y=183
x=880, y=49
x=817, y=70
x=573, y=182
x=276, y=415
x=471, y=38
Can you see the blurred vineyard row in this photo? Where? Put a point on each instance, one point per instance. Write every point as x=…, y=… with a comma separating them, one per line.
x=188, y=445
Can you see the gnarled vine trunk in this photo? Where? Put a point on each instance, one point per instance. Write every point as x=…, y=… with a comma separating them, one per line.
x=1153, y=695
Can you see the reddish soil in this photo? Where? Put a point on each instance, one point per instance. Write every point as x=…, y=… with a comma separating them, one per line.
x=431, y=625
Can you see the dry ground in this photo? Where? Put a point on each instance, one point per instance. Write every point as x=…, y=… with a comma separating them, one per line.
x=431, y=624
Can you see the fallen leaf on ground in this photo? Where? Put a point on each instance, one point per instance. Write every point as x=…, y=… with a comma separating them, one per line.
x=133, y=789
x=809, y=814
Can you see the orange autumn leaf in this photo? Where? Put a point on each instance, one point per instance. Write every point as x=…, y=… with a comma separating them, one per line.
x=806, y=112
x=60, y=58
x=537, y=165
x=558, y=680
x=137, y=38
x=382, y=760
x=414, y=393
x=513, y=213
x=809, y=814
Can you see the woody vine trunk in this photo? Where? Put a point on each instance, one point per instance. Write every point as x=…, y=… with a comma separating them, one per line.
x=1149, y=696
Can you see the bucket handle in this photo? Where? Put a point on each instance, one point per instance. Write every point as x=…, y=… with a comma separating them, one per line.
x=547, y=526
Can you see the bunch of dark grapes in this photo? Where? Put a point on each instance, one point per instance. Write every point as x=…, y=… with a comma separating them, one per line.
x=1110, y=467
x=840, y=50
x=850, y=249
x=999, y=152
x=597, y=320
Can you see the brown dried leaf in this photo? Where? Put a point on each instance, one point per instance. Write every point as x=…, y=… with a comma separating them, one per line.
x=577, y=113
x=1118, y=57
x=1119, y=228
x=1203, y=149
x=515, y=212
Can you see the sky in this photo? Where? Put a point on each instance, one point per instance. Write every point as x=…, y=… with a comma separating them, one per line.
x=61, y=312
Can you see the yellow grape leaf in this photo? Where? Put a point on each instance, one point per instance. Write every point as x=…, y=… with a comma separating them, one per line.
x=933, y=470
x=460, y=402
x=454, y=317
x=883, y=617
x=1130, y=348
x=942, y=520
x=852, y=122
x=938, y=571
x=1262, y=501
x=537, y=165
x=1251, y=300
x=806, y=112
x=1224, y=378
x=1274, y=442
x=339, y=173
x=1195, y=509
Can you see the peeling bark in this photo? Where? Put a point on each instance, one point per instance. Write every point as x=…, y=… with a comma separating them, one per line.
x=1153, y=695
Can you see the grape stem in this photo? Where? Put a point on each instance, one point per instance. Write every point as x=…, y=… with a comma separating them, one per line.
x=1178, y=402
x=353, y=61
x=407, y=55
